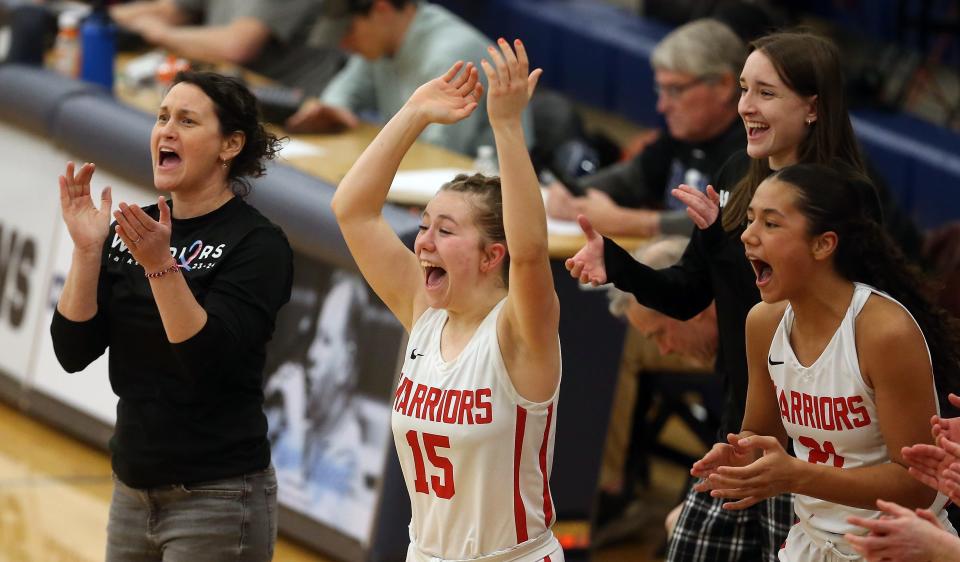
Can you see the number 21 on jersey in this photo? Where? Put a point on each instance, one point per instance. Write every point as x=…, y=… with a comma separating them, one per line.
x=442, y=485
x=821, y=454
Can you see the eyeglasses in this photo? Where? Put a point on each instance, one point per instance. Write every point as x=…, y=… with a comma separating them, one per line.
x=674, y=91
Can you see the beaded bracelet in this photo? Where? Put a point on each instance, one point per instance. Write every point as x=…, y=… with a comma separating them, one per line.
x=157, y=274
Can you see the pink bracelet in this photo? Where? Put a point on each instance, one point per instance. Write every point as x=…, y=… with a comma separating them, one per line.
x=155, y=275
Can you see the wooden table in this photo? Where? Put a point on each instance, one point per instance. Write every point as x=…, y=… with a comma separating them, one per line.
x=340, y=150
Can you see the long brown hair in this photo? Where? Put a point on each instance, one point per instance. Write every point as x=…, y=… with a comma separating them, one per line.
x=810, y=66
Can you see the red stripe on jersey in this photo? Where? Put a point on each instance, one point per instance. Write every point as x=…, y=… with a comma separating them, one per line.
x=519, y=512
x=547, y=502
x=546, y=559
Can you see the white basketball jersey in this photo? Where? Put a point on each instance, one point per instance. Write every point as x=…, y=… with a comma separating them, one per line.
x=830, y=413
x=476, y=456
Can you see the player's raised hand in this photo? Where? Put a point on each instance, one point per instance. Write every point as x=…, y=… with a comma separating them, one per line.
x=510, y=82
x=449, y=98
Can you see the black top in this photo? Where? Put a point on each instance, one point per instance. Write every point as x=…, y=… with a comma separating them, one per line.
x=192, y=411
x=714, y=267
x=646, y=180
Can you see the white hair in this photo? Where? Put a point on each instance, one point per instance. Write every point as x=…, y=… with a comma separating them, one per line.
x=705, y=48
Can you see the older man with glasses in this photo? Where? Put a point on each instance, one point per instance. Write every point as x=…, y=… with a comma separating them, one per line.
x=696, y=69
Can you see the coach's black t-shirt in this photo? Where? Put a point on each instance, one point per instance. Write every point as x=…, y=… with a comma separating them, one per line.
x=192, y=411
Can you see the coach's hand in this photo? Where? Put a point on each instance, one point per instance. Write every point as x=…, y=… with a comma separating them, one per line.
x=148, y=240
x=87, y=224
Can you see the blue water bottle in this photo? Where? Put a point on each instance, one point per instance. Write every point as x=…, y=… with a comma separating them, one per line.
x=98, y=39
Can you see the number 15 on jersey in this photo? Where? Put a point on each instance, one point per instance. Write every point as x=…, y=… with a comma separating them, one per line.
x=443, y=485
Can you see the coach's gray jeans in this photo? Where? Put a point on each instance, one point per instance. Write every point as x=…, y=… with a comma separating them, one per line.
x=226, y=520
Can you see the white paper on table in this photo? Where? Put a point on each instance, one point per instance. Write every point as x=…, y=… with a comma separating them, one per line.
x=557, y=227
x=142, y=69
x=294, y=148
x=422, y=185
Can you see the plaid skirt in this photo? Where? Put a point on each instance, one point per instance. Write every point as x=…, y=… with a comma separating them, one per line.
x=706, y=532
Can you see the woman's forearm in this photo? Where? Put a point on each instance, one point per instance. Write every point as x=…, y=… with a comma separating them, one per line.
x=78, y=300
x=862, y=487
x=524, y=217
x=181, y=314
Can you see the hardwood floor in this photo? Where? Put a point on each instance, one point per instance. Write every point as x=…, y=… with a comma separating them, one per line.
x=55, y=494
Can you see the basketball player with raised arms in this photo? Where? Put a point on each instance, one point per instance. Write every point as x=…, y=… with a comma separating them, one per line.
x=841, y=357
x=474, y=414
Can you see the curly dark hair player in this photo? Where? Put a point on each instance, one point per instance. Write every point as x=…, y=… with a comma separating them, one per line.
x=845, y=353
x=185, y=294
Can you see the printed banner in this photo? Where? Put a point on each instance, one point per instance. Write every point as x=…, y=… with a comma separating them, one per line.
x=29, y=213
x=331, y=370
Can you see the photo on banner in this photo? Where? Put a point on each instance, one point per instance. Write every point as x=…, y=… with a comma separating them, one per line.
x=329, y=378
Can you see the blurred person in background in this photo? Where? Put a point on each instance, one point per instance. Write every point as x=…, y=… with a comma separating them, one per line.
x=266, y=37
x=695, y=71
x=396, y=46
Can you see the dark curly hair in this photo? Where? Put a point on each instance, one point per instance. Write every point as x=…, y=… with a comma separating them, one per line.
x=832, y=199
x=238, y=111
x=488, y=208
